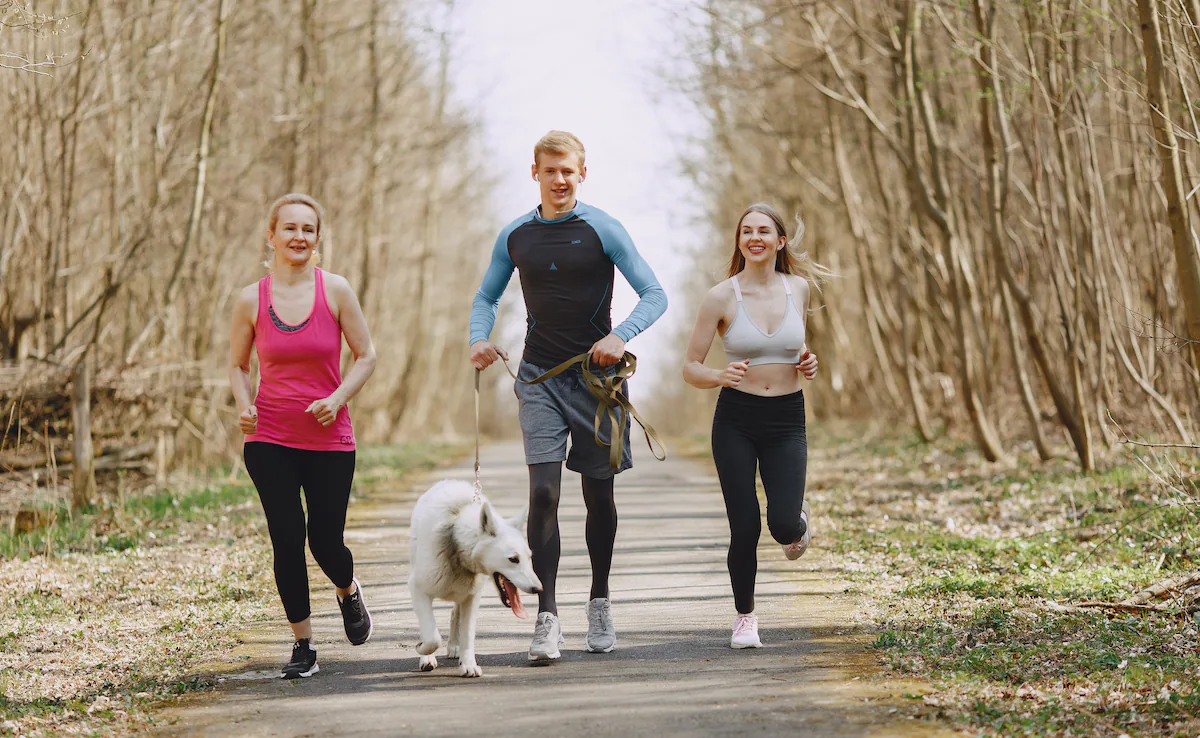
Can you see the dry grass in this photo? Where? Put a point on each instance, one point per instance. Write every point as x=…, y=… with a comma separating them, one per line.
x=138, y=603
x=971, y=573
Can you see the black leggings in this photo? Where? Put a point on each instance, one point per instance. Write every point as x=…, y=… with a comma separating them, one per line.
x=767, y=432
x=600, y=530
x=279, y=472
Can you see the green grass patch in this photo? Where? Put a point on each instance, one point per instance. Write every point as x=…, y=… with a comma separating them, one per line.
x=970, y=567
x=128, y=523
x=126, y=601
x=140, y=519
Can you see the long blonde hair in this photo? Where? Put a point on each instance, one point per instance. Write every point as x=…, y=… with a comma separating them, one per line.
x=785, y=260
x=295, y=198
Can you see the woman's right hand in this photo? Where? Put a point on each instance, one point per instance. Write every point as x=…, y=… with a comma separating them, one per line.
x=731, y=376
x=248, y=420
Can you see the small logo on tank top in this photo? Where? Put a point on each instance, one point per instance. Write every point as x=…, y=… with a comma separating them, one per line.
x=347, y=440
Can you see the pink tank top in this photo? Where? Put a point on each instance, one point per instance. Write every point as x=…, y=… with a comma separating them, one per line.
x=297, y=367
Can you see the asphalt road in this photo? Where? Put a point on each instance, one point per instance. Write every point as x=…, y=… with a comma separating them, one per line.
x=672, y=674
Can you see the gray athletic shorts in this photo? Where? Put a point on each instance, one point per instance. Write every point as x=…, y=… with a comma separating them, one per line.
x=562, y=407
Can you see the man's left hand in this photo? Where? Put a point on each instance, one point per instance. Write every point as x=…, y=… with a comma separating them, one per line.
x=608, y=350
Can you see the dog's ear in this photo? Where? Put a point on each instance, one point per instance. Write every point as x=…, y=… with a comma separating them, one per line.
x=487, y=518
x=518, y=521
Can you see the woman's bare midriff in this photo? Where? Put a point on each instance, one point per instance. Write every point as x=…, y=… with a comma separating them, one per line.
x=770, y=380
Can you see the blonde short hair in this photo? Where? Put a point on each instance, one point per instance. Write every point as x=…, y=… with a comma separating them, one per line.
x=295, y=198
x=559, y=142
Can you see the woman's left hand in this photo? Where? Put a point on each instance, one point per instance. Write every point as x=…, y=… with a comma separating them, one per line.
x=808, y=364
x=326, y=410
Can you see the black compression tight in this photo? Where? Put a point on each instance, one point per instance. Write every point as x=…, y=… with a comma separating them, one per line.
x=279, y=473
x=750, y=431
x=545, y=481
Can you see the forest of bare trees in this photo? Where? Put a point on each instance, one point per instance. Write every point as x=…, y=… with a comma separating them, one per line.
x=1006, y=189
x=143, y=142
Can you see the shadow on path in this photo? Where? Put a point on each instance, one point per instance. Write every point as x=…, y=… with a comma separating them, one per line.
x=673, y=673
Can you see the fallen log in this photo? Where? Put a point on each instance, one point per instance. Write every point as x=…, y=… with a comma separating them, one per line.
x=1140, y=602
x=10, y=462
x=1165, y=607
x=1162, y=588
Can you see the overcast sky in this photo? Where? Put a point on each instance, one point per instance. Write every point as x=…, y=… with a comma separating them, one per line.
x=592, y=67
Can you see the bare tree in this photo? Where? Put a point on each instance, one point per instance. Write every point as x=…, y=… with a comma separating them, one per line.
x=979, y=178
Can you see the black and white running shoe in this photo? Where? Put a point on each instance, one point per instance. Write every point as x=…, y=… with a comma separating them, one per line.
x=304, y=661
x=356, y=617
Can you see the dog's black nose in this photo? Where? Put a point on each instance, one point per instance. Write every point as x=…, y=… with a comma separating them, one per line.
x=537, y=590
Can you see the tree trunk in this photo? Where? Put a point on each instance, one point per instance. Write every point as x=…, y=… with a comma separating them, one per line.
x=997, y=186
x=935, y=208
x=199, y=185
x=370, y=179
x=417, y=356
x=852, y=202
x=83, y=474
x=1187, y=258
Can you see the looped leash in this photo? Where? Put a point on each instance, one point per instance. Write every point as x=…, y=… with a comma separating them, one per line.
x=611, y=401
x=478, y=484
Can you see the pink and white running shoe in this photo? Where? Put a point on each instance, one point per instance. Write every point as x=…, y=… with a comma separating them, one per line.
x=745, y=632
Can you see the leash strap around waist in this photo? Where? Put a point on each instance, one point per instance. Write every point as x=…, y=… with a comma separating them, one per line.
x=606, y=388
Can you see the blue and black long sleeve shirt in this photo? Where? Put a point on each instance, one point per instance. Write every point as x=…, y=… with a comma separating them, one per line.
x=566, y=267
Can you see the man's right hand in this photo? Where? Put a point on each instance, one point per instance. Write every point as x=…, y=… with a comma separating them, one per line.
x=483, y=353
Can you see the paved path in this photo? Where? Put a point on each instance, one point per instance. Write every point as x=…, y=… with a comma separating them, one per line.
x=672, y=674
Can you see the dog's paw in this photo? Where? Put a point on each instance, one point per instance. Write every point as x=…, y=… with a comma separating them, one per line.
x=452, y=651
x=469, y=669
x=427, y=663
x=427, y=647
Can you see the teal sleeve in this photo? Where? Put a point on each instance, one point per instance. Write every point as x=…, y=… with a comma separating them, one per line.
x=618, y=246
x=495, y=281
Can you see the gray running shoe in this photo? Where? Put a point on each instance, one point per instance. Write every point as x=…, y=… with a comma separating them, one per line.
x=547, y=637
x=602, y=634
x=796, y=549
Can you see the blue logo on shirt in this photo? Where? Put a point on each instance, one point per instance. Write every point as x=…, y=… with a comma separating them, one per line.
x=577, y=241
x=552, y=267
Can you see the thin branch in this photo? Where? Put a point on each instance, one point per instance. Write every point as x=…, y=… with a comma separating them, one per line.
x=1161, y=445
x=26, y=65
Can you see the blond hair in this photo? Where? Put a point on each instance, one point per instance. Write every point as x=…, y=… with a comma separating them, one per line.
x=295, y=198
x=559, y=142
x=785, y=260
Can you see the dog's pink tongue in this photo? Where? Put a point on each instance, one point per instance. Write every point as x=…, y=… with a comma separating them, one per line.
x=514, y=599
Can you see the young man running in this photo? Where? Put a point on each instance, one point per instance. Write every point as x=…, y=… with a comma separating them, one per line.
x=565, y=251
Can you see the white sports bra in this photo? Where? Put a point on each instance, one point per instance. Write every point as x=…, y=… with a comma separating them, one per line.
x=745, y=340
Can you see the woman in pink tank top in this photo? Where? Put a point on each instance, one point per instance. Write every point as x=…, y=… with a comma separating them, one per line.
x=297, y=426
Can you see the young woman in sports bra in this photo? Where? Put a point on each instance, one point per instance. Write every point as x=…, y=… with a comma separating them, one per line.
x=298, y=431
x=759, y=420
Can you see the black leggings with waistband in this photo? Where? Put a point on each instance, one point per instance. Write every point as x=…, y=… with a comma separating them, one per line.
x=751, y=432
x=280, y=473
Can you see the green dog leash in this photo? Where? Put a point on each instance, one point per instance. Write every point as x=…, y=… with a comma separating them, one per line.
x=606, y=388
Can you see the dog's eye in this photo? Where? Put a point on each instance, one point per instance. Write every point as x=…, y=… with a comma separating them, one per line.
x=514, y=559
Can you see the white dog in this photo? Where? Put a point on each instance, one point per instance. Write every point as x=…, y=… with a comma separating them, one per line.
x=458, y=541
